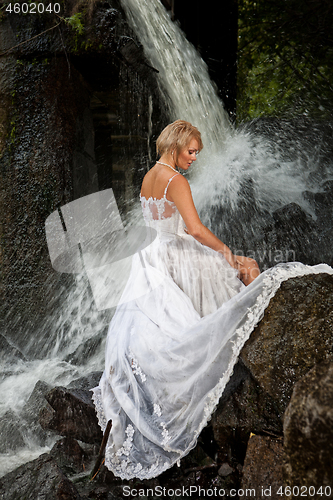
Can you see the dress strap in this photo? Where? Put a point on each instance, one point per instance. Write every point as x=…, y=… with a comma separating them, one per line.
x=166, y=188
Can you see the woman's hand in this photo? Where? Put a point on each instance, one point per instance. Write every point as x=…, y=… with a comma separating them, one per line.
x=248, y=269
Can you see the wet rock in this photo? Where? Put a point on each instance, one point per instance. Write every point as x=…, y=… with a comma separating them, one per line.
x=248, y=409
x=292, y=234
x=61, y=96
x=262, y=469
x=40, y=479
x=8, y=352
x=18, y=429
x=322, y=204
x=87, y=382
x=225, y=470
x=36, y=400
x=240, y=374
x=71, y=413
x=291, y=213
x=295, y=333
x=30, y=413
x=11, y=432
x=308, y=430
x=86, y=350
x=69, y=455
x=197, y=458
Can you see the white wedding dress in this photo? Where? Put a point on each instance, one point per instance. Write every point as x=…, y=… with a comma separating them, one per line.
x=171, y=350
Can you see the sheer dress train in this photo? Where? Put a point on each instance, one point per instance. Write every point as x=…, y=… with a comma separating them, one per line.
x=171, y=350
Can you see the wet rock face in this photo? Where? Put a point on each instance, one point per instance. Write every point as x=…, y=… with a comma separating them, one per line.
x=10, y=432
x=308, y=430
x=69, y=455
x=39, y=479
x=295, y=333
x=262, y=471
x=37, y=178
x=71, y=413
x=292, y=234
x=248, y=410
x=8, y=352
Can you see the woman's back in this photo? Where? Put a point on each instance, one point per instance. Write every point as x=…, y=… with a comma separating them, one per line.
x=155, y=183
x=155, y=201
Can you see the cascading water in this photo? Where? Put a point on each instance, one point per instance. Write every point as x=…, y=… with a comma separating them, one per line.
x=183, y=75
x=243, y=177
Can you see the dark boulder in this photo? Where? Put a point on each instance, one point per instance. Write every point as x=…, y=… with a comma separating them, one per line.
x=308, y=431
x=295, y=333
x=40, y=479
x=262, y=470
x=70, y=456
x=36, y=400
x=8, y=352
x=292, y=235
x=30, y=413
x=72, y=414
x=87, y=349
x=248, y=410
x=88, y=382
x=322, y=204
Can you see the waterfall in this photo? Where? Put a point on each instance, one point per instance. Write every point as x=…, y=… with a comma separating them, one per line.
x=183, y=75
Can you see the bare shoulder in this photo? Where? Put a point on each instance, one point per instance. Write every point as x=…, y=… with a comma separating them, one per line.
x=148, y=176
x=179, y=184
x=148, y=180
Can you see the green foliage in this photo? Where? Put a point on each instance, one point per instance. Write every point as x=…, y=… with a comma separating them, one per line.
x=12, y=131
x=285, y=58
x=88, y=44
x=75, y=21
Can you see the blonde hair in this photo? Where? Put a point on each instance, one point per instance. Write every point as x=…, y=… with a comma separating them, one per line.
x=176, y=136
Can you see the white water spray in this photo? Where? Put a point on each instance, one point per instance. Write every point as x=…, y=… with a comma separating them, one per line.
x=230, y=156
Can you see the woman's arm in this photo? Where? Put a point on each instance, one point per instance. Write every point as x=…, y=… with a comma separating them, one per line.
x=179, y=192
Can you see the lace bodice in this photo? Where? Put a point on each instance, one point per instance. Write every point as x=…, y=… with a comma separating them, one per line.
x=162, y=214
x=157, y=209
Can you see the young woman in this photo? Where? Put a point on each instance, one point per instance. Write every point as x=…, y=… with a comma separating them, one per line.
x=178, y=145
x=183, y=318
